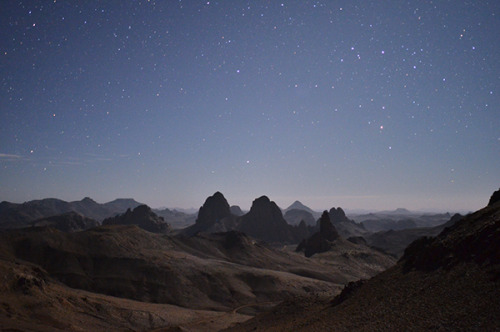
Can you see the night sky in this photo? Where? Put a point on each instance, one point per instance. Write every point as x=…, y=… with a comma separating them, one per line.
x=360, y=104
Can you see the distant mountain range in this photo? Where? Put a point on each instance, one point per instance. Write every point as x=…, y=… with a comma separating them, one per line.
x=265, y=221
x=14, y=215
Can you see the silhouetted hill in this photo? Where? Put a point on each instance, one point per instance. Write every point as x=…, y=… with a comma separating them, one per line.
x=121, y=204
x=297, y=205
x=143, y=217
x=14, y=215
x=214, y=216
x=265, y=221
x=19, y=215
x=215, y=209
x=67, y=222
x=449, y=282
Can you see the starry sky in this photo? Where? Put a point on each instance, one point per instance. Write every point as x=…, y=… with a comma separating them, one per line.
x=355, y=103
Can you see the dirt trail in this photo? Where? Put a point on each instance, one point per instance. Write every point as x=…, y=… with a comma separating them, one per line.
x=235, y=311
x=217, y=322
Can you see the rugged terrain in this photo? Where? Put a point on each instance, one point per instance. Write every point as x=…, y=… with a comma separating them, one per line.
x=31, y=300
x=14, y=215
x=394, y=242
x=64, y=272
x=213, y=275
x=450, y=282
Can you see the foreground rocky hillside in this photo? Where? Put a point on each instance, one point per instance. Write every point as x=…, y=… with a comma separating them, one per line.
x=229, y=273
x=449, y=283
x=33, y=301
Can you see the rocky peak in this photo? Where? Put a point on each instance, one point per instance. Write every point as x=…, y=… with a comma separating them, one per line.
x=337, y=215
x=326, y=229
x=141, y=211
x=213, y=210
x=265, y=221
x=266, y=211
x=494, y=198
x=297, y=205
x=88, y=200
x=262, y=201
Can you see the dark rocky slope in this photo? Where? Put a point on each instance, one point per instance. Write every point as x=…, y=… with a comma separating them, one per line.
x=67, y=222
x=211, y=271
x=449, y=283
